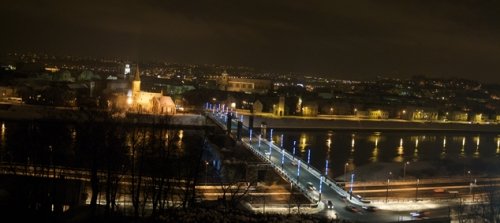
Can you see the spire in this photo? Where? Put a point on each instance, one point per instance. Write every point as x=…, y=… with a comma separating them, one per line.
x=137, y=76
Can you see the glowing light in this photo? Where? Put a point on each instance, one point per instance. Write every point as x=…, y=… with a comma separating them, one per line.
x=416, y=143
x=298, y=169
x=260, y=138
x=281, y=141
x=498, y=146
x=352, y=182
x=352, y=142
x=129, y=100
x=303, y=142
x=308, y=156
x=282, y=156
x=127, y=68
x=233, y=105
x=463, y=141
x=376, y=142
x=320, y=183
x=401, y=142
x=181, y=134
x=3, y=132
x=326, y=168
x=400, y=151
x=374, y=157
x=444, y=142
x=250, y=137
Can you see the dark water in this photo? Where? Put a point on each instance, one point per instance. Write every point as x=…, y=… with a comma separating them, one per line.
x=361, y=148
x=68, y=145
x=73, y=145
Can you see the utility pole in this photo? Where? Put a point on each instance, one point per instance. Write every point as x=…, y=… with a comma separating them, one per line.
x=416, y=191
x=387, y=191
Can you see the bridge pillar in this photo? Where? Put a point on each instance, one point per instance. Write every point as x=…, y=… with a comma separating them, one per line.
x=229, y=121
x=250, y=122
x=240, y=127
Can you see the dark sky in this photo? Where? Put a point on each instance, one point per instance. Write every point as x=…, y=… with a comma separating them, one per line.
x=344, y=39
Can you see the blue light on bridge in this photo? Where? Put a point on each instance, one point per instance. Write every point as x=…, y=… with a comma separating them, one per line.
x=282, y=157
x=260, y=138
x=326, y=168
x=281, y=141
x=298, y=169
x=308, y=155
x=352, y=182
x=250, y=136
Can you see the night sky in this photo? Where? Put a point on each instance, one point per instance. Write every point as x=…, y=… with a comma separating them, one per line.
x=343, y=39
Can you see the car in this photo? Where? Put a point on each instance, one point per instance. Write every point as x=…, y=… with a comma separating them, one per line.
x=418, y=214
x=369, y=208
x=352, y=208
x=310, y=186
x=329, y=204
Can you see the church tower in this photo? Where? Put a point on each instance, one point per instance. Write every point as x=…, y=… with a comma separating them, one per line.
x=224, y=79
x=136, y=83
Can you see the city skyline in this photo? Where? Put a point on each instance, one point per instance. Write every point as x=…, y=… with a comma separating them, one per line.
x=357, y=40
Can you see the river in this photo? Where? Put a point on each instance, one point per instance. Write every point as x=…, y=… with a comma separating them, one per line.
x=478, y=151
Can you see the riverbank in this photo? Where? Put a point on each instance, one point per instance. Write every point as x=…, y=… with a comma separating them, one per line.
x=446, y=168
x=23, y=112
x=316, y=123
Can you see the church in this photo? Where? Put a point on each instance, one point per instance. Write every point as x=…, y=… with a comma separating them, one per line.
x=143, y=102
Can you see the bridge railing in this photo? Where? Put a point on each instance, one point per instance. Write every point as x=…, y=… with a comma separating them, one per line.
x=312, y=170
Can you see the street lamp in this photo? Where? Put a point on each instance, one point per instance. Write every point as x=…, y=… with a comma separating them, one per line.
x=206, y=172
x=387, y=191
x=293, y=152
x=270, y=148
x=308, y=157
x=416, y=190
x=250, y=137
x=282, y=158
x=260, y=138
x=298, y=171
x=352, y=182
x=320, y=187
x=326, y=168
x=281, y=141
x=475, y=183
x=404, y=168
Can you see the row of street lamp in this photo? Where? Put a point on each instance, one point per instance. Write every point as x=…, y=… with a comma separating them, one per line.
x=323, y=176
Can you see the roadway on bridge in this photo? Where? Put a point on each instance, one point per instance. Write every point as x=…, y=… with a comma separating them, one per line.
x=300, y=174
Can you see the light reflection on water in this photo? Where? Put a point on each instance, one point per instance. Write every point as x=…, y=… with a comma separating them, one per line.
x=360, y=148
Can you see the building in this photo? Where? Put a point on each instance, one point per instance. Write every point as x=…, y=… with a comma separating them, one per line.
x=459, y=116
x=144, y=102
x=420, y=114
x=377, y=114
x=247, y=85
x=279, y=109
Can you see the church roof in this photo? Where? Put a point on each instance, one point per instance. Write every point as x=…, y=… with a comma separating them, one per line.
x=137, y=76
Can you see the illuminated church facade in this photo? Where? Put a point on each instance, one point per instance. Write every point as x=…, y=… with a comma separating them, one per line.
x=137, y=101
